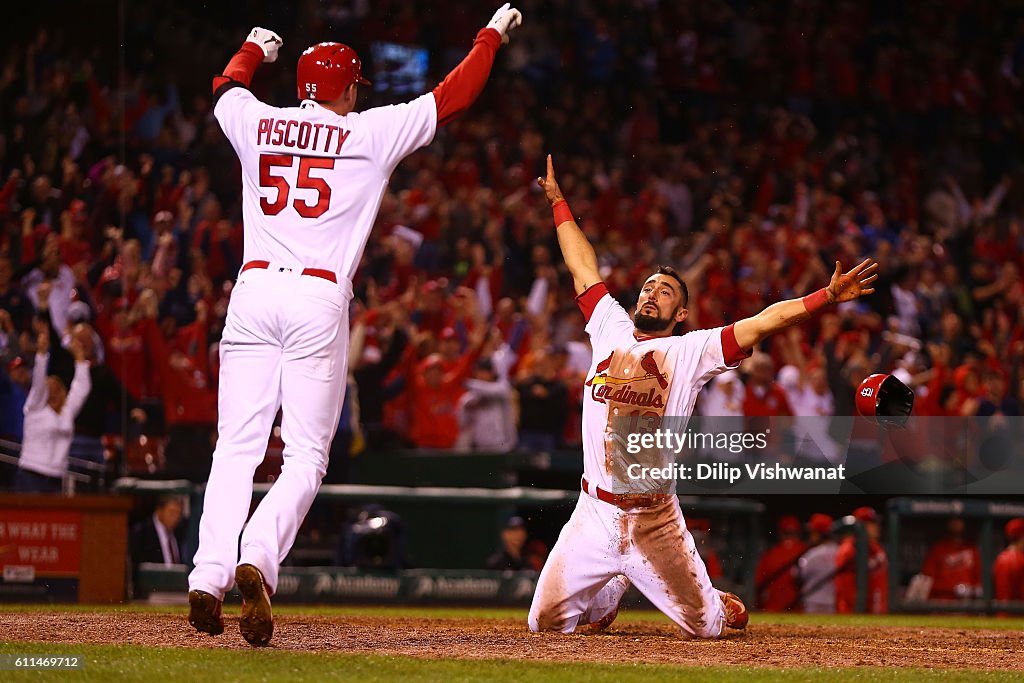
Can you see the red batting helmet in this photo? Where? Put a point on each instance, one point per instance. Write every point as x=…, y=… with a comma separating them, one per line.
x=865, y=514
x=326, y=69
x=885, y=400
x=821, y=523
x=789, y=524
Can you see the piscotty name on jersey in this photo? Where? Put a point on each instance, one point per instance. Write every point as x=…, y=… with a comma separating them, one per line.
x=301, y=135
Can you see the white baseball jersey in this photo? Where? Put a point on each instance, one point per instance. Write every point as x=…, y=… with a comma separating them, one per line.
x=817, y=569
x=312, y=181
x=643, y=377
x=604, y=548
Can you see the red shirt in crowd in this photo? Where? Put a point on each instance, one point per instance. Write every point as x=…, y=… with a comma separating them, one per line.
x=126, y=355
x=770, y=402
x=1008, y=574
x=74, y=251
x=712, y=563
x=951, y=563
x=187, y=395
x=761, y=403
x=777, y=588
x=846, y=578
x=435, y=423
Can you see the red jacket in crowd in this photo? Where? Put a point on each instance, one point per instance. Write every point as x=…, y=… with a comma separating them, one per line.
x=1008, y=574
x=777, y=587
x=951, y=563
x=846, y=578
x=768, y=402
x=435, y=423
x=126, y=355
x=182, y=361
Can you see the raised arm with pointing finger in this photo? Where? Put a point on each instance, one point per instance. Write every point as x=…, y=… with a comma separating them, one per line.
x=579, y=255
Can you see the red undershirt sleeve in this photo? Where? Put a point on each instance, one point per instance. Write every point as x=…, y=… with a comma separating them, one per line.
x=241, y=67
x=462, y=86
x=731, y=351
x=587, y=301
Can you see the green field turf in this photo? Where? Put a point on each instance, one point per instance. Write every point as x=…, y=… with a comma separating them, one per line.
x=139, y=663
x=132, y=663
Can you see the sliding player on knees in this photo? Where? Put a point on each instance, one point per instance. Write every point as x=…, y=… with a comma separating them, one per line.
x=641, y=369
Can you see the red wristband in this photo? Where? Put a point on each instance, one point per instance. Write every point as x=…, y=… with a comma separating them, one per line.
x=816, y=301
x=562, y=213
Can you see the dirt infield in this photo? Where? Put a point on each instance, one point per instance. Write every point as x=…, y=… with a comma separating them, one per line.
x=630, y=642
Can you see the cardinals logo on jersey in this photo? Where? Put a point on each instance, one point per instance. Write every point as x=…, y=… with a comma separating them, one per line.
x=614, y=383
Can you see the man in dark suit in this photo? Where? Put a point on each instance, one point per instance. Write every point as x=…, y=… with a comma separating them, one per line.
x=518, y=552
x=156, y=539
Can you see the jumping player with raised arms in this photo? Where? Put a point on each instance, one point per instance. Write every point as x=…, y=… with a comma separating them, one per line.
x=615, y=539
x=313, y=177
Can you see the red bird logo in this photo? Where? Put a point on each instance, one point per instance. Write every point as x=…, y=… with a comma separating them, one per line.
x=650, y=366
x=647, y=364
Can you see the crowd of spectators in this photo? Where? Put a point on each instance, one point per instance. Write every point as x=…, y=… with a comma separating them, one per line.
x=811, y=567
x=750, y=144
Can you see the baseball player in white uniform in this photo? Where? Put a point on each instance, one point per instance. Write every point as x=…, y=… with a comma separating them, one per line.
x=313, y=177
x=640, y=369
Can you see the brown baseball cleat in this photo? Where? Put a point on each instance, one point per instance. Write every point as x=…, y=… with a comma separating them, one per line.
x=613, y=591
x=736, y=615
x=257, y=622
x=602, y=623
x=204, y=613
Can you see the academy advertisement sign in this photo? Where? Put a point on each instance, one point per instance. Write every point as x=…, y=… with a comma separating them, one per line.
x=410, y=586
x=344, y=585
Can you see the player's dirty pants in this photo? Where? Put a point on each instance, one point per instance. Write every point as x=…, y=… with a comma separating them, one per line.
x=650, y=546
x=284, y=345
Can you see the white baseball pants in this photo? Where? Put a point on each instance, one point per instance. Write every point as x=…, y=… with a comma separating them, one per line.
x=285, y=344
x=581, y=581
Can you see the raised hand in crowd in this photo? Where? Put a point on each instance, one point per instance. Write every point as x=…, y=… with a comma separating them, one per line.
x=77, y=350
x=43, y=342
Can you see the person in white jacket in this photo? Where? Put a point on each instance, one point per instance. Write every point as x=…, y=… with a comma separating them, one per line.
x=486, y=414
x=50, y=412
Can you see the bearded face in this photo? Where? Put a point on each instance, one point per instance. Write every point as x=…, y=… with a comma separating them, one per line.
x=659, y=307
x=649, y=318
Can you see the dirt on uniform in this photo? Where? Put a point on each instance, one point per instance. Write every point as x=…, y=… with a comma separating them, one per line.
x=624, y=642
